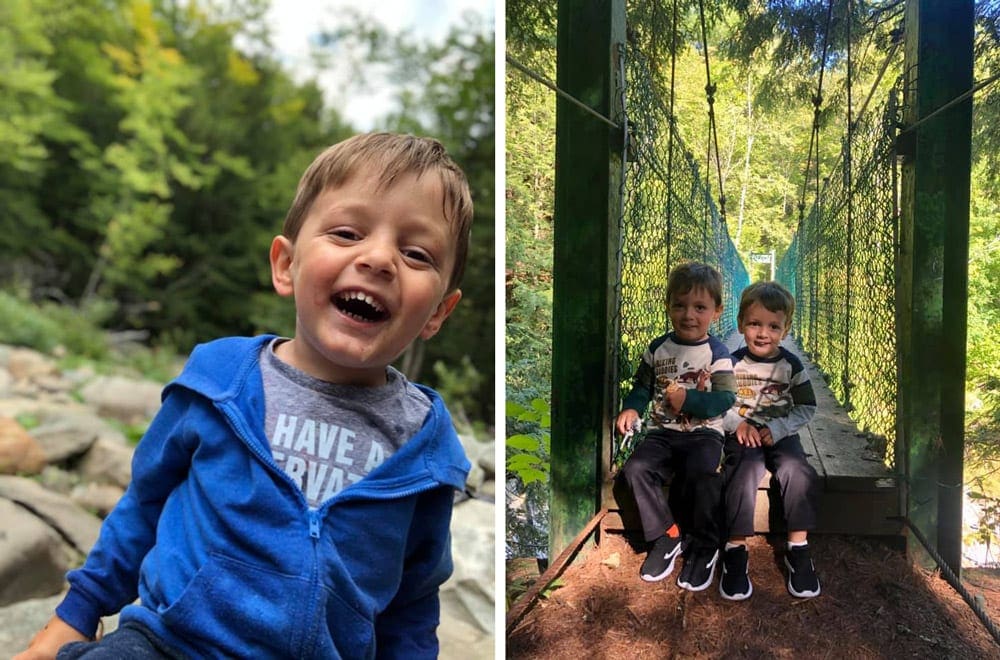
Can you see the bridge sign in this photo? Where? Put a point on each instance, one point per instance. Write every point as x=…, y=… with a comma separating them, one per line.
x=761, y=257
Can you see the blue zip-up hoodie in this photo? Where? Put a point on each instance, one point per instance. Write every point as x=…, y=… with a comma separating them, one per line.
x=225, y=554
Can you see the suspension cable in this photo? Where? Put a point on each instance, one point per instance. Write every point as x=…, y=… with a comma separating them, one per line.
x=672, y=129
x=817, y=101
x=710, y=92
x=551, y=85
x=955, y=101
x=849, y=186
x=952, y=579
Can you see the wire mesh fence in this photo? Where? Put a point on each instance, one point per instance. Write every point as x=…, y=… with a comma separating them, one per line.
x=841, y=267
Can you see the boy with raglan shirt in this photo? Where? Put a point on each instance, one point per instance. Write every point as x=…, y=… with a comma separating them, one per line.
x=292, y=498
x=687, y=375
x=774, y=399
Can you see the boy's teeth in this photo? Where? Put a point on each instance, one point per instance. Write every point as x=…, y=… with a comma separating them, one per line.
x=361, y=306
x=363, y=297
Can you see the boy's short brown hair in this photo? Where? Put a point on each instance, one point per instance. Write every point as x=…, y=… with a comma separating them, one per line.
x=774, y=297
x=694, y=275
x=393, y=155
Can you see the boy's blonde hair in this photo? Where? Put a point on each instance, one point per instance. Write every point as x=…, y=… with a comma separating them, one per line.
x=392, y=155
x=774, y=297
x=694, y=275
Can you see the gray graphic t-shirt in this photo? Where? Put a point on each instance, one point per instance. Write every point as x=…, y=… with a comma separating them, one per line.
x=327, y=436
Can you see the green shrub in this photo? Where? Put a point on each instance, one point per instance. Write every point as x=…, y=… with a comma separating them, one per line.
x=23, y=324
x=80, y=331
x=43, y=327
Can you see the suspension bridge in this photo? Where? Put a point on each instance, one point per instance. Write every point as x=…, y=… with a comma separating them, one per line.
x=878, y=267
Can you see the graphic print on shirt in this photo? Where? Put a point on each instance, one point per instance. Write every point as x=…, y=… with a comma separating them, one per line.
x=764, y=396
x=322, y=458
x=670, y=377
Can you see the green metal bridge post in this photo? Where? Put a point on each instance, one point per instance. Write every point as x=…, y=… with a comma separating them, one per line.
x=934, y=245
x=588, y=172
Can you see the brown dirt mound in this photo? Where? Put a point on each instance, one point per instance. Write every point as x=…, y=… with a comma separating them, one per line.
x=874, y=604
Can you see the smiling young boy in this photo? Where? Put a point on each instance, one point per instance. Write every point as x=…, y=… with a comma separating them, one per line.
x=774, y=399
x=687, y=374
x=293, y=497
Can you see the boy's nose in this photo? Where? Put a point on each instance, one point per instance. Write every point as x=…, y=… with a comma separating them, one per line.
x=378, y=259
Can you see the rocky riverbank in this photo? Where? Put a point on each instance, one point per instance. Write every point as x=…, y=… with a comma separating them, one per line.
x=65, y=460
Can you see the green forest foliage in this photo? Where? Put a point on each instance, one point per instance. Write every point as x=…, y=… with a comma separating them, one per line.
x=149, y=150
x=764, y=60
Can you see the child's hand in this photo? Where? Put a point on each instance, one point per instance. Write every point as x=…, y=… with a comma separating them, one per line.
x=626, y=420
x=47, y=641
x=748, y=435
x=676, y=399
x=704, y=377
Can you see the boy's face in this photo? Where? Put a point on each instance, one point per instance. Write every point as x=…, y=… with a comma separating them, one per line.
x=692, y=313
x=369, y=272
x=763, y=330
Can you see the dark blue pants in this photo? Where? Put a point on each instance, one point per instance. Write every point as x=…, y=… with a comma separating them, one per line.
x=744, y=467
x=131, y=640
x=693, y=457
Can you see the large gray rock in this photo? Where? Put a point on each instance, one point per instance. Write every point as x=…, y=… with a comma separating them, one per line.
x=73, y=523
x=108, y=461
x=33, y=557
x=469, y=594
x=487, y=459
x=64, y=434
x=25, y=364
x=126, y=399
x=99, y=498
x=480, y=455
x=460, y=641
x=467, y=598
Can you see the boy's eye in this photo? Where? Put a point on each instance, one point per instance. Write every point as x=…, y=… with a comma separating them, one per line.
x=345, y=233
x=416, y=254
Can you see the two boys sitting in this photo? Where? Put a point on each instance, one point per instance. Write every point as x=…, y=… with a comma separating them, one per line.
x=745, y=410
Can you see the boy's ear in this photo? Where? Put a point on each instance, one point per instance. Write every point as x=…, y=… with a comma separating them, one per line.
x=440, y=314
x=718, y=313
x=282, y=277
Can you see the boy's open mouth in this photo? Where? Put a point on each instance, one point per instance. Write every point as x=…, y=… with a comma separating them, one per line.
x=360, y=306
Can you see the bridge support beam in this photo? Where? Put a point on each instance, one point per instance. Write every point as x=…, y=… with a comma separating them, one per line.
x=588, y=171
x=933, y=268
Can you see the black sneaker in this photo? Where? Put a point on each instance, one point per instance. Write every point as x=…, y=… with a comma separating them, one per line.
x=735, y=583
x=802, y=580
x=699, y=569
x=660, y=560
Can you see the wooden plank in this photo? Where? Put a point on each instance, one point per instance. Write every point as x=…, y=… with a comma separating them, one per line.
x=530, y=597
